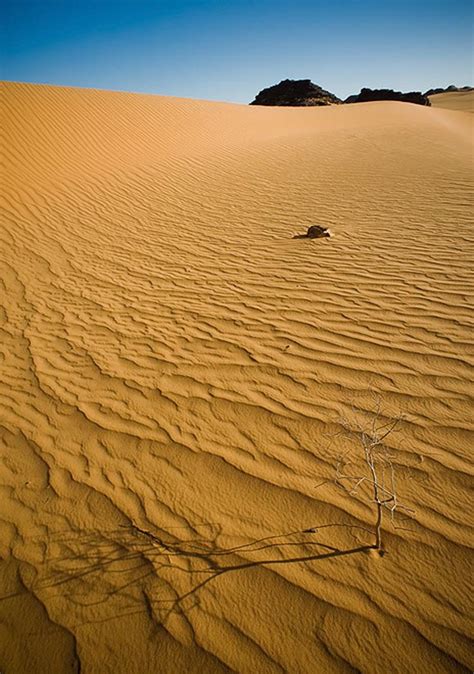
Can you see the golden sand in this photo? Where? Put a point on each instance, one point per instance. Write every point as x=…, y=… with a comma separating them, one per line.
x=174, y=367
x=454, y=100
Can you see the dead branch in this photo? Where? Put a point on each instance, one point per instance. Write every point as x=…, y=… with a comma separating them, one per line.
x=370, y=433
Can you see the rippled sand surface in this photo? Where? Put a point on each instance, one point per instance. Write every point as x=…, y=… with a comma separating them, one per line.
x=175, y=366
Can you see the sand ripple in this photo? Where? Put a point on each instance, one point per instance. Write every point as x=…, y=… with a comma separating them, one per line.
x=175, y=366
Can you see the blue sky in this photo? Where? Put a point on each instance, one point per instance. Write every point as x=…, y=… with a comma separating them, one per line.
x=230, y=49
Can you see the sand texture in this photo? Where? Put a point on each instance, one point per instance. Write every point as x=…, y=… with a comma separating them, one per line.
x=454, y=100
x=174, y=368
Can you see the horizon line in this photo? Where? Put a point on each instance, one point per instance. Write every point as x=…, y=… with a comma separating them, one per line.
x=189, y=98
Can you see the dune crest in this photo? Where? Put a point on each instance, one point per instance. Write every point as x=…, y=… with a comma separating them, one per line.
x=174, y=367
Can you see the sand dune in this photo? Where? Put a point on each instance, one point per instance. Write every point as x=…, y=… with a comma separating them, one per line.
x=454, y=100
x=175, y=367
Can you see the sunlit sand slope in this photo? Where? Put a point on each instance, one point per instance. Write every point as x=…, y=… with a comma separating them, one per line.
x=174, y=370
x=455, y=100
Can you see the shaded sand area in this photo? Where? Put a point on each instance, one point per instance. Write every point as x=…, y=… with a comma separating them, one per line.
x=175, y=367
x=454, y=100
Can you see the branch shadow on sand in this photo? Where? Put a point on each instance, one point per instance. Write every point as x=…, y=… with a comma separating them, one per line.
x=140, y=568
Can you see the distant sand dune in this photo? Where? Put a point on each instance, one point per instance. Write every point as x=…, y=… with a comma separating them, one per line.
x=174, y=367
x=454, y=100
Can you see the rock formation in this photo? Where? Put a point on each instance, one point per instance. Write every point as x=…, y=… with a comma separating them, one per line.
x=314, y=232
x=446, y=90
x=366, y=95
x=317, y=231
x=295, y=93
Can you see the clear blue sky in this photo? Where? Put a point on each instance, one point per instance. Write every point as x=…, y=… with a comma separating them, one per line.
x=230, y=49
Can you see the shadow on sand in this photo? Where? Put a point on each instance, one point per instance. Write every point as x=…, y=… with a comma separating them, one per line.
x=112, y=562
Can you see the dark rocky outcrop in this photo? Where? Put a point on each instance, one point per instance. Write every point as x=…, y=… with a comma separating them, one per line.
x=354, y=98
x=314, y=232
x=441, y=90
x=317, y=231
x=295, y=93
x=367, y=95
